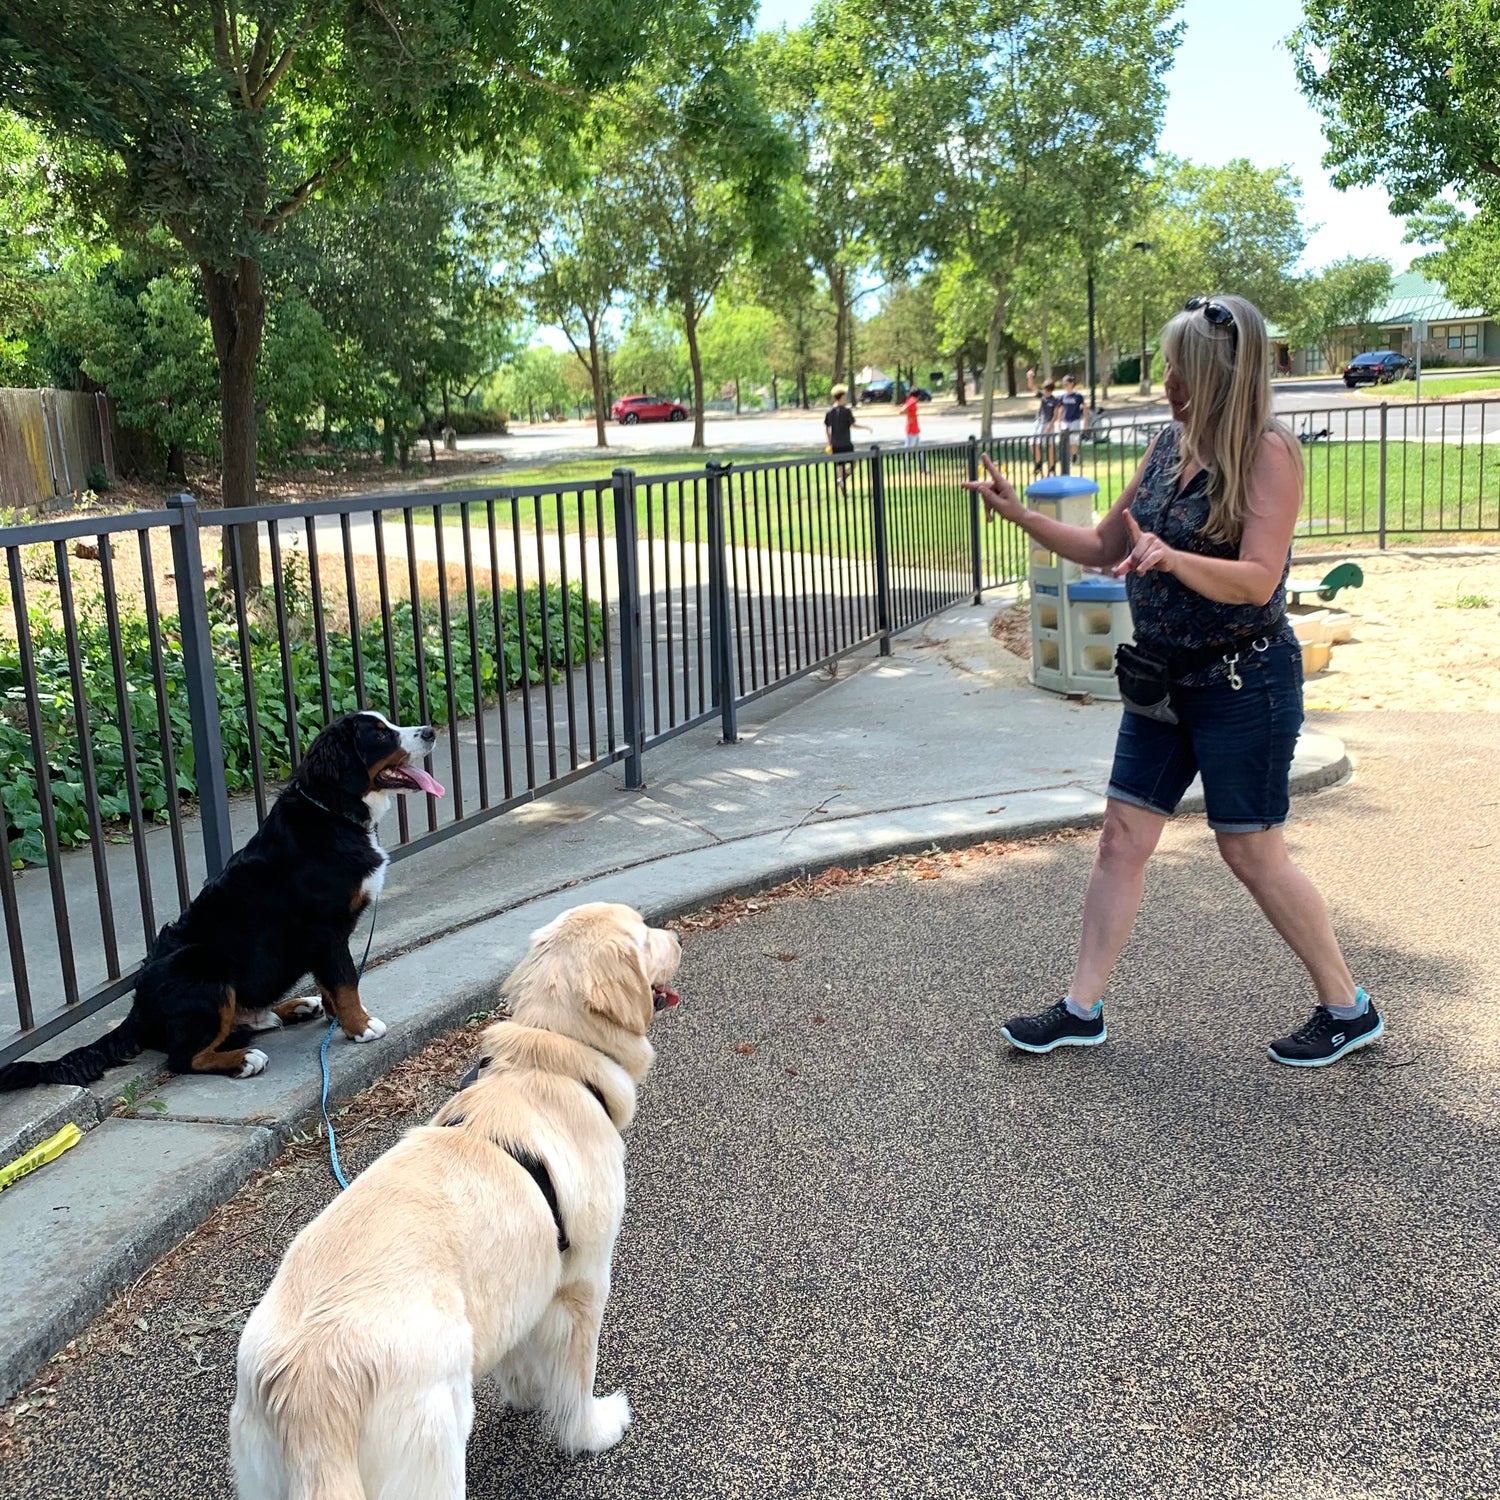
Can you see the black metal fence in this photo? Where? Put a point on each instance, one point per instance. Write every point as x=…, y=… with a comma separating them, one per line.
x=1382, y=471
x=163, y=671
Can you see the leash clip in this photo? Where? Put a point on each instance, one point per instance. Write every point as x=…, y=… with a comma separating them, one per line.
x=1235, y=680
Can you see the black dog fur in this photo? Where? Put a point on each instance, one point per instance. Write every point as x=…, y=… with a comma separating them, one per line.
x=284, y=906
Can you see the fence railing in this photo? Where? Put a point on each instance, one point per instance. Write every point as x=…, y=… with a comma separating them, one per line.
x=164, y=671
x=1386, y=471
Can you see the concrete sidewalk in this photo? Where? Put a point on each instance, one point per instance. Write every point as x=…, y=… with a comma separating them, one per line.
x=943, y=743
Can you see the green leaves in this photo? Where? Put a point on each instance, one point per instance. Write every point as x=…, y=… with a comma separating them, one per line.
x=571, y=634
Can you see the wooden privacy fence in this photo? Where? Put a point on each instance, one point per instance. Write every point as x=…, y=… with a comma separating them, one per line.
x=50, y=442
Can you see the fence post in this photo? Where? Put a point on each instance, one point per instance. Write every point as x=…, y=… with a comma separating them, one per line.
x=882, y=551
x=203, y=698
x=976, y=548
x=1067, y=451
x=632, y=669
x=1383, y=413
x=720, y=635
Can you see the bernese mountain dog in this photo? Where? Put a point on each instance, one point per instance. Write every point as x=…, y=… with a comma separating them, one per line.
x=284, y=906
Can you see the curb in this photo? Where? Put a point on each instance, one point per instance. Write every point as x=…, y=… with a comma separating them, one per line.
x=464, y=969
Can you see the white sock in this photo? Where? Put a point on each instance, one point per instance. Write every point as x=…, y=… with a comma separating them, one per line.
x=1350, y=1012
x=1083, y=1012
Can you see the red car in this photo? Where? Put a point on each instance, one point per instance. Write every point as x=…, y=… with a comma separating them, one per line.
x=633, y=409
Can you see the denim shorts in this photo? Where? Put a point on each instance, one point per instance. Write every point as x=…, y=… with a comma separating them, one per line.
x=1240, y=740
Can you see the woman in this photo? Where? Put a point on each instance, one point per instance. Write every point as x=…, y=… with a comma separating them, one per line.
x=1202, y=534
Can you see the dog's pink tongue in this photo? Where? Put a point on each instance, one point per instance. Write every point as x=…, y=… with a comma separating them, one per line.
x=428, y=784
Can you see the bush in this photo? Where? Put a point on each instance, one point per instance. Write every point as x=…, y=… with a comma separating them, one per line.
x=468, y=423
x=500, y=664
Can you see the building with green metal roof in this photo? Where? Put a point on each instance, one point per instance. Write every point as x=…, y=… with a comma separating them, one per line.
x=1455, y=335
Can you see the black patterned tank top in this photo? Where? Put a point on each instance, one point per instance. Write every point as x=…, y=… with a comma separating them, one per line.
x=1165, y=611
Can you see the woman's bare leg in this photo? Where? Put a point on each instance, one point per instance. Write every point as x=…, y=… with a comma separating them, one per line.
x=1116, y=886
x=1293, y=906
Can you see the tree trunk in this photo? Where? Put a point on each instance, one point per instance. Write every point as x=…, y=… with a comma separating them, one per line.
x=388, y=439
x=431, y=445
x=835, y=276
x=959, y=379
x=690, y=326
x=736, y=395
x=802, y=387
x=446, y=423
x=176, y=464
x=1010, y=369
x=237, y=314
x=596, y=381
x=992, y=368
x=775, y=400
x=1046, y=345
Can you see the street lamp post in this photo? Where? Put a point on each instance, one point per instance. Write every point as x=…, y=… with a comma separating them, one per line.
x=1143, y=246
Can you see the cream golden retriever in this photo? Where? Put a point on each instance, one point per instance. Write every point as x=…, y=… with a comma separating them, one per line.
x=478, y=1245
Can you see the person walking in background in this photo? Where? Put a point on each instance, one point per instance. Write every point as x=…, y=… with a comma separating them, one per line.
x=838, y=426
x=1070, y=414
x=1212, y=686
x=913, y=432
x=1046, y=419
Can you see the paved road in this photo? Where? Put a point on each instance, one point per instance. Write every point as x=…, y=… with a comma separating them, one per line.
x=1351, y=414
x=878, y=1254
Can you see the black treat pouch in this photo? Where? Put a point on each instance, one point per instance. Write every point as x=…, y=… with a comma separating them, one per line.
x=1145, y=688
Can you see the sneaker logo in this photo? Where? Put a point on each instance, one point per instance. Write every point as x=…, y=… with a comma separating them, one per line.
x=1337, y=1040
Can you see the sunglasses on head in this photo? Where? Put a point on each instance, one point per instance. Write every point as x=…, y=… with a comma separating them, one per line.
x=1216, y=313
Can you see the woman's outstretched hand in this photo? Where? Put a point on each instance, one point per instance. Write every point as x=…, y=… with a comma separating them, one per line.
x=1000, y=499
x=1148, y=553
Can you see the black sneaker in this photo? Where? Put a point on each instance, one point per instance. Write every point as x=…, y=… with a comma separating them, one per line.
x=1056, y=1027
x=1325, y=1039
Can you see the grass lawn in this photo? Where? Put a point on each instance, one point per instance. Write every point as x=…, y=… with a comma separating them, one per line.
x=788, y=510
x=1429, y=487
x=1439, y=383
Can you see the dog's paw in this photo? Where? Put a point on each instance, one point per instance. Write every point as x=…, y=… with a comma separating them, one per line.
x=306, y=1008
x=260, y=1020
x=255, y=1062
x=607, y=1421
x=372, y=1032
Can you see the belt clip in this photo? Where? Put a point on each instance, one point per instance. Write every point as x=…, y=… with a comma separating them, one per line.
x=1235, y=680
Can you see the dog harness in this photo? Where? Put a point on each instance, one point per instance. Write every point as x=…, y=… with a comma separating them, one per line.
x=533, y=1166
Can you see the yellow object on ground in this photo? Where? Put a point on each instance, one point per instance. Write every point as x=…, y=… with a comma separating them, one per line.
x=49, y=1150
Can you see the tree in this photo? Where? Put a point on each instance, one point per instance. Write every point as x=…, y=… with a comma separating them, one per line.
x=737, y=344
x=979, y=128
x=706, y=171
x=651, y=357
x=576, y=250
x=219, y=122
x=146, y=340
x=904, y=331
x=405, y=284
x=534, y=384
x=1337, y=304
x=1407, y=95
x=804, y=77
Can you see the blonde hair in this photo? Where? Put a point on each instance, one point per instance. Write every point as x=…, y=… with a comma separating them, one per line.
x=1228, y=378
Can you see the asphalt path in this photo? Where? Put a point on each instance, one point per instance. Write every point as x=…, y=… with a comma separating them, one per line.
x=871, y=1251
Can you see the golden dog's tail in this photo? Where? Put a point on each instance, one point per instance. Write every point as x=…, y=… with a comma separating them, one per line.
x=291, y=1437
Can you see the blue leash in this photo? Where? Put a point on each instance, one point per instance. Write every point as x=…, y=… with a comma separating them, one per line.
x=333, y=1145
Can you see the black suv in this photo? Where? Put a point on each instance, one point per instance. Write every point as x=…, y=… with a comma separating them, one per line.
x=888, y=390
x=1382, y=366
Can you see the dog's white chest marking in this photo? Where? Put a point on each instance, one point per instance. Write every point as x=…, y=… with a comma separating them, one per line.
x=373, y=883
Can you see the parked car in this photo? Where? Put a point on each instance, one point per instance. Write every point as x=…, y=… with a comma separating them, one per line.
x=633, y=409
x=1382, y=365
x=888, y=390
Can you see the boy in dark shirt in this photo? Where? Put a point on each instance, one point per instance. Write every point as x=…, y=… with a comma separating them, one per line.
x=1046, y=419
x=839, y=425
x=1070, y=413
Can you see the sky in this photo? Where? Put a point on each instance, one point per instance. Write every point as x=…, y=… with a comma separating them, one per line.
x=1232, y=93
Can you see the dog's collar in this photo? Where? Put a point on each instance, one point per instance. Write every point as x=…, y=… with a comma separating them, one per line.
x=333, y=812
